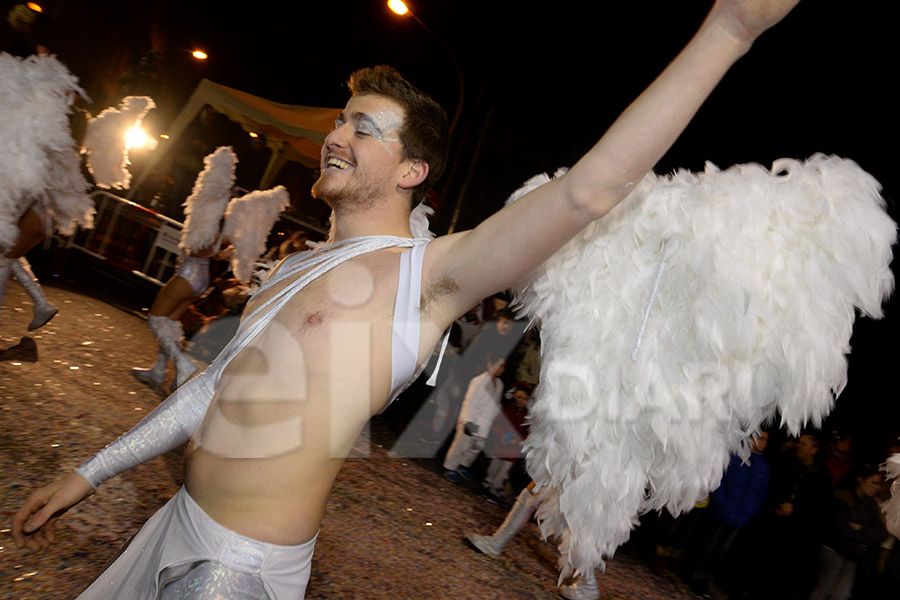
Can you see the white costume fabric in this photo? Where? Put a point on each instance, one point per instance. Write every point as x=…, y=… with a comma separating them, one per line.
x=672, y=328
x=180, y=539
x=175, y=420
x=194, y=270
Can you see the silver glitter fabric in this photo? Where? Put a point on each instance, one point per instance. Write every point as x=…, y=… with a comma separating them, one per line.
x=214, y=581
x=195, y=271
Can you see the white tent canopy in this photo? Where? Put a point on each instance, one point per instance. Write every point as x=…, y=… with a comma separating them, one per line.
x=292, y=132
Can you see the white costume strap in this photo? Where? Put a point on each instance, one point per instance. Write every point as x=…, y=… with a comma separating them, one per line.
x=177, y=419
x=315, y=265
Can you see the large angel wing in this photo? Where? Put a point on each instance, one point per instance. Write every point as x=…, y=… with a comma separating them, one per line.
x=700, y=307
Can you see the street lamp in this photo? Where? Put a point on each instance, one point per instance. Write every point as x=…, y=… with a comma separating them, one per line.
x=400, y=8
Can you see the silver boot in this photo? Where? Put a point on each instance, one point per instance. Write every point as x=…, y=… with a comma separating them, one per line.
x=516, y=518
x=43, y=310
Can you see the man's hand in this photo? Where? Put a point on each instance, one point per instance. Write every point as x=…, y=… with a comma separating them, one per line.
x=747, y=19
x=32, y=526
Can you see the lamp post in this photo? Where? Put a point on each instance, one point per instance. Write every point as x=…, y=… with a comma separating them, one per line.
x=400, y=8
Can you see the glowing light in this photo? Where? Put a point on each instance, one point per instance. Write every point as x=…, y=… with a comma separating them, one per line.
x=199, y=54
x=398, y=7
x=253, y=134
x=35, y=7
x=164, y=136
x=135, y=138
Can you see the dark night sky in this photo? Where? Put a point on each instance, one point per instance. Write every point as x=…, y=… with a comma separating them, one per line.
x=542, y=83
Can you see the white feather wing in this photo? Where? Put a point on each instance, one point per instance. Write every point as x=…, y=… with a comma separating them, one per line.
x=248, y=221
x=676, y=325
x=105, y=141
x=38, y=157
x=206, y=205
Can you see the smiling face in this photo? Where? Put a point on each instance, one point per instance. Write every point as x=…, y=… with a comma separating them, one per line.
x=362, y=158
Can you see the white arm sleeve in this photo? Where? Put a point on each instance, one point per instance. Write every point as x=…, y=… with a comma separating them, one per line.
x=172, y=423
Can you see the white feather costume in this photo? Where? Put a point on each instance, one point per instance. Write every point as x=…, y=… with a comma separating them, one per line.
x=248, y=221
x=673, y=327
x=105, y=143
x=892, y=507
x=208, y=200
x=418, y=221
x=39, y=160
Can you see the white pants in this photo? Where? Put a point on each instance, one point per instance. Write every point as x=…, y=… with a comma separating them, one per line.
x=464, y=449
x=497, y=474
x=183, y=548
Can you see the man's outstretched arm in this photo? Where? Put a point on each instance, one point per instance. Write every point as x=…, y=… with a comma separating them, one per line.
x=492, y=257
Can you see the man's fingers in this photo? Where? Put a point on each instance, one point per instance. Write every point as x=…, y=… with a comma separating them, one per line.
x=23, y=517
x=37, y=519
x=49, y=529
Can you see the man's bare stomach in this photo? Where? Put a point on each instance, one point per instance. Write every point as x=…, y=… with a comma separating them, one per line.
x=277, y=500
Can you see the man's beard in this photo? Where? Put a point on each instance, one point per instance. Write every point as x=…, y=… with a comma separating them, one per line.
x=347, y=197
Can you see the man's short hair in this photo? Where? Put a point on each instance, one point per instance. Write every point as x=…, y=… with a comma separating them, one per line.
x=504, y=313
x=425, y=134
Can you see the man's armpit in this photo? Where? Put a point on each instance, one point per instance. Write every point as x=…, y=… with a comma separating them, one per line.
x=437, y=290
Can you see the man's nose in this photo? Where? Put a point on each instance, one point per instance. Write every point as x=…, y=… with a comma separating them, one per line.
x=337, y=137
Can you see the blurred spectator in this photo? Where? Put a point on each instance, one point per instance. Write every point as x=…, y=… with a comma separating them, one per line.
x=854, y=531
x=504, y=443
x=837, y=456
x=496, y=337
x=480, y=406
x=296, y=242
x=739, y=497
x=789, y=529
x=673, y=536
x=528, y=369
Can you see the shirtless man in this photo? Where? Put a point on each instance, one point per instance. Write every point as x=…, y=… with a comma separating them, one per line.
x=285, y=409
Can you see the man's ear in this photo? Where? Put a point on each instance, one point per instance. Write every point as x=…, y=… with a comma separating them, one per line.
x=418, y=171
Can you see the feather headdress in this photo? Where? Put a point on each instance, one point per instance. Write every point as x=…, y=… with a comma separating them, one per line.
x=248, y=221
x=679, y=323
x=205, y=206
x=105, y=143
x=38, y=157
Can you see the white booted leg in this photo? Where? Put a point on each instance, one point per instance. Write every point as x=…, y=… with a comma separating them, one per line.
x=156, y=374
x=170, y=335
x=516, y=518
x=5, y=274
x=43, y=310
x=582, y=588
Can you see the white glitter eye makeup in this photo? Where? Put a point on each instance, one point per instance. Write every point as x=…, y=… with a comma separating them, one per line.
x=382, y=125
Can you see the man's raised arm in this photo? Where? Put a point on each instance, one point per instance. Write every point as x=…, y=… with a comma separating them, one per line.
x=551, y=215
